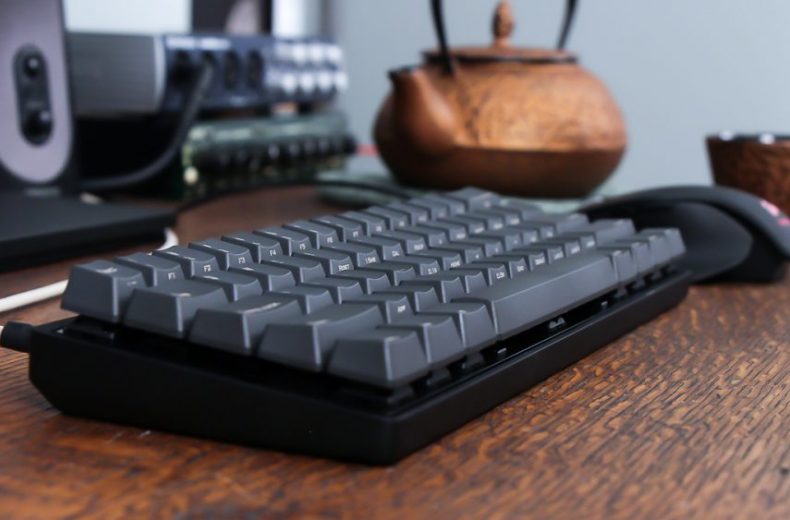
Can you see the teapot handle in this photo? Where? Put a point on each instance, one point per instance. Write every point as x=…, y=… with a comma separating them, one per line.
x=441, y=34
x=567, y=23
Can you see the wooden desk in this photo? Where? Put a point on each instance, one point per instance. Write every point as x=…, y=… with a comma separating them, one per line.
x=686, y=417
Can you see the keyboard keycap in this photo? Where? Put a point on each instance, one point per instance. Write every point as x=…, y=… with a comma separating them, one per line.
x=260, y=247
x=532, y=231
x=395, y=271
x=448, y=286
x=472, y=320
x=640, y=252
x=624, y=263
x=453, y=230
x=493, y=220
x=529, y=234
x=392, y=306
x=307, y=342
x=155, y=269
x=290, y=240
x=560, y=222
x=235, y=285
x=557, y=287
x=421, y=264
x=361, y=255
x=468, y=252
x=472, y=279
x=474, y=198
x=416, y=213
x=446, y=259
x=192, y=262
x=227, y=253
x=320, y=235
x=384, y=358
x=514, y=263
x=440, y=339
x=310, y=298
x=570, y=246
x=434, y=208
x=454, y=207
x=331, y=260
x=525, y=209
x=238, y=327
x=489, y=246
x=493, y=272
x=371, y=223
x=169, y=308
x=509, y=237
x=511, y=216
x=666, y=244
x=658, y=246
x=270, y=277
x=304, y=269
x=674, y=240
x=608, y=230
x=410, y=242
x=101, y=289
x=341, y=289
x=346, y=229
x=386, y=248
x=394, y=219
x=433, y=237
x=539, y=254
x=371, y=281
x=420, y=296
x=472, y=225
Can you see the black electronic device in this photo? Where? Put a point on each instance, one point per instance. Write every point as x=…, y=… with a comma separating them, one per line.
x=142, y=75
x=729, y=234
x=362, y=336
x=218, y=156
x=35, y=230
x=36, y=126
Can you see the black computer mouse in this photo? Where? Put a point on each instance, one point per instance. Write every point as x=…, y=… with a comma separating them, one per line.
x=729, y=234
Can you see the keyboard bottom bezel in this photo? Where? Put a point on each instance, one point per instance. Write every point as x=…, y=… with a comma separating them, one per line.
x=97, y=371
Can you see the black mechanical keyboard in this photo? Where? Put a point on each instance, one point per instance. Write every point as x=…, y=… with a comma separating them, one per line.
x=362, y=336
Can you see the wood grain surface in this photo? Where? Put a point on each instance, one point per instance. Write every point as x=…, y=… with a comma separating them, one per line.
x=686, y=417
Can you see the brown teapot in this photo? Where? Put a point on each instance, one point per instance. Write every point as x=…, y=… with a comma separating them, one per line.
x=514, y=120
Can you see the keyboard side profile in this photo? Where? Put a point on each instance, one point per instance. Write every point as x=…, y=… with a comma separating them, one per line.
x=362, y=336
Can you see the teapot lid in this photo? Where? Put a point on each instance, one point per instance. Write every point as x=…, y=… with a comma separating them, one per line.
x=500, y=49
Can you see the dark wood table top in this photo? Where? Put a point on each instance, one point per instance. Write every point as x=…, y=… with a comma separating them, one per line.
x=686, y=417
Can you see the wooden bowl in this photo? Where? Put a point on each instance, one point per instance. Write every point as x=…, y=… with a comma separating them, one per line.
x=757, y=163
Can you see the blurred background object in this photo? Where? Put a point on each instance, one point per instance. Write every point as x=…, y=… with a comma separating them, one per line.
x=238, y=96
x=526, y=121
x=679, y=70
x=757, y=163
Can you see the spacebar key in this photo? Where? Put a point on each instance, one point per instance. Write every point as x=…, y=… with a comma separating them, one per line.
x=527, y=300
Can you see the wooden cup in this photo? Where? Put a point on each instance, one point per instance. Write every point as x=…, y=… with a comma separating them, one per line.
x=757, y=163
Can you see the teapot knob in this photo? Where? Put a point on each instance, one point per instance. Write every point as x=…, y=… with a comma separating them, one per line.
x=503, y=23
